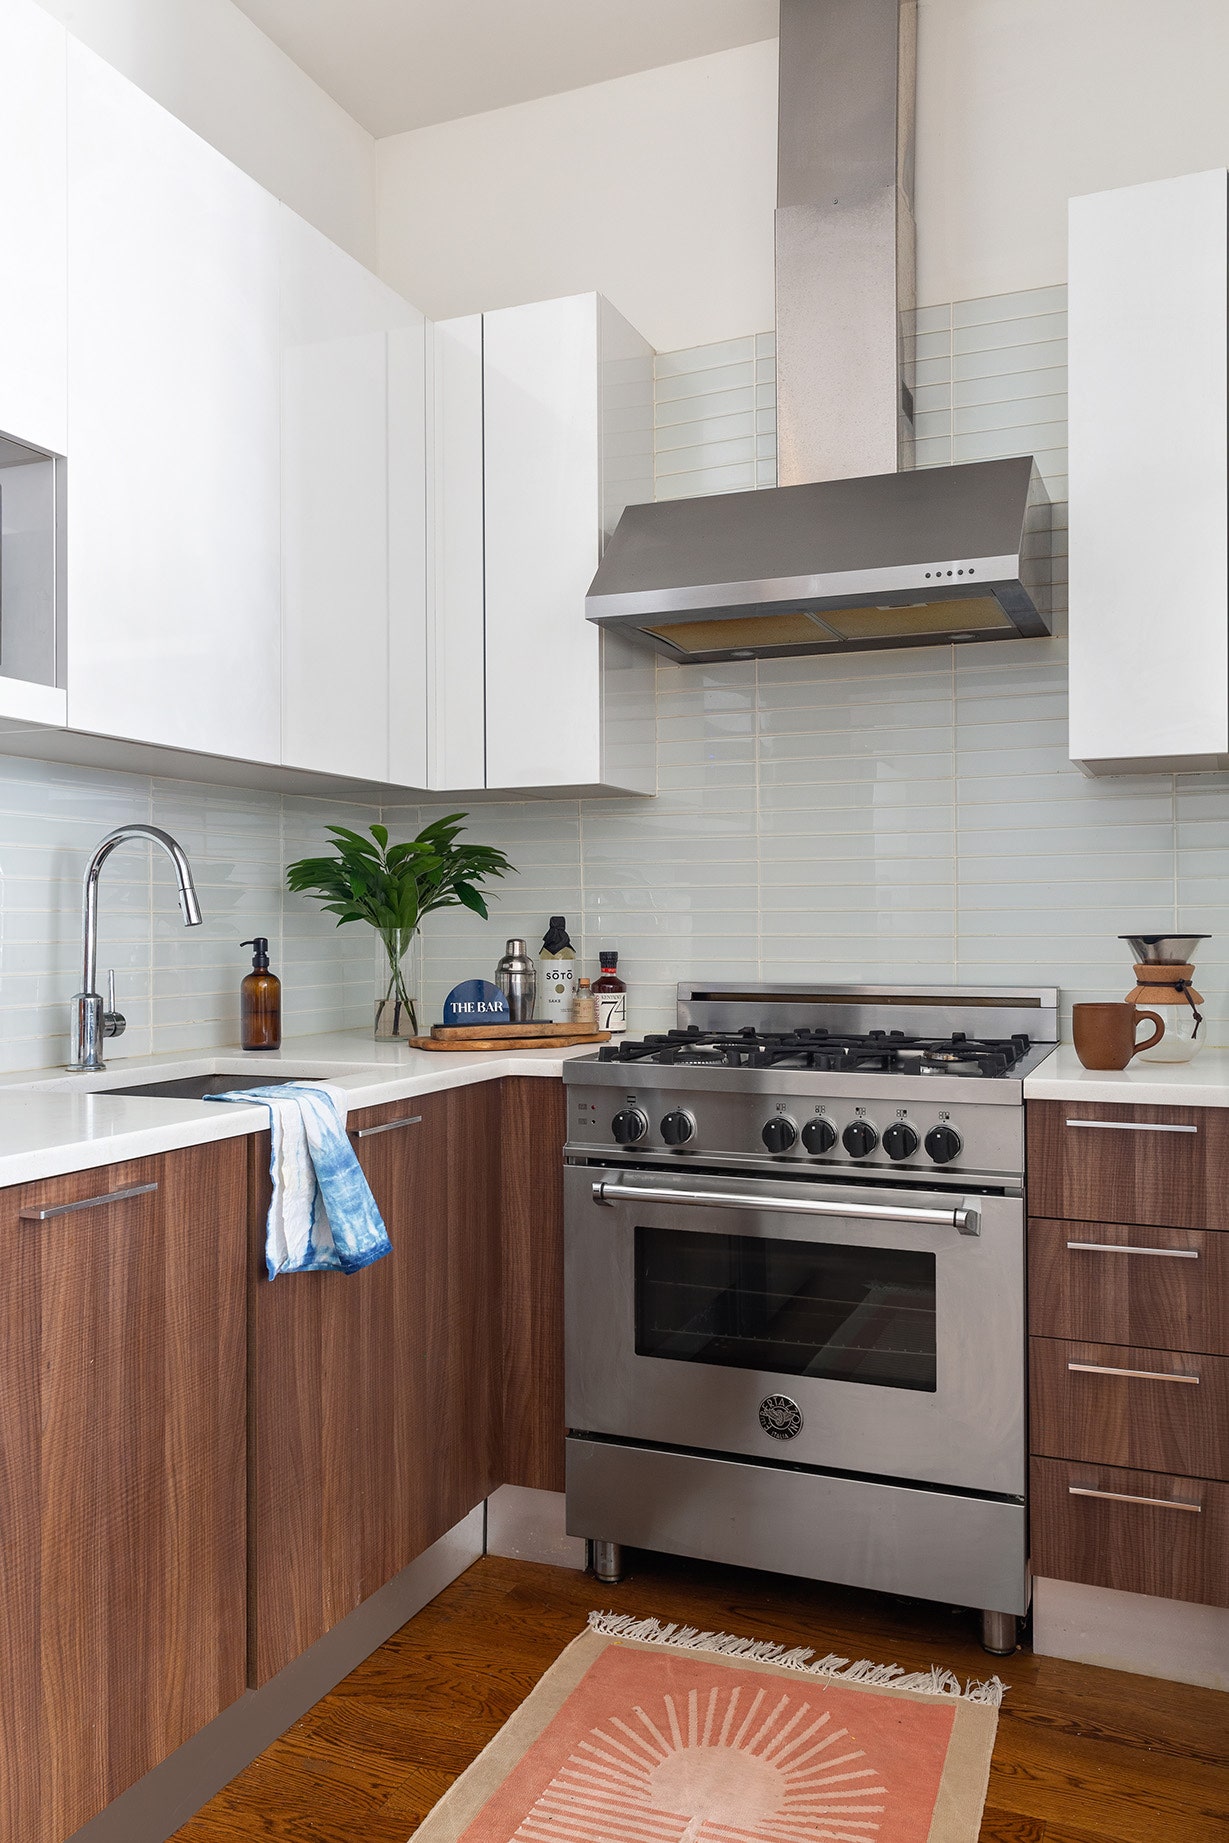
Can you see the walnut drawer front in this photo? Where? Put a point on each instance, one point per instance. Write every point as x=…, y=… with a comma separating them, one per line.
x=1113, y=1404
x=1165, y=1289
x=1093, y=1162
x=1141, y=1532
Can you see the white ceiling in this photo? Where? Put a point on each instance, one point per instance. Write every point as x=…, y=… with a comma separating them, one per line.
x=397, y=64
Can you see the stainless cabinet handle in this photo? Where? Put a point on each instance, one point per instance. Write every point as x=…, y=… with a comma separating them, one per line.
x=1144, y=1375
x=1122, y=1247
x=1125, y=1497
x=389, y=1126
x=67, y=1209
x=966, y=1220
x=1133, y=1126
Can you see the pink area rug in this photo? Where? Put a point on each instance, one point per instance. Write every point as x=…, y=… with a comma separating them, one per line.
x=644, y=1733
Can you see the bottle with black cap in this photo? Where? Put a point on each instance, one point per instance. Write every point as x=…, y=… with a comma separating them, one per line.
x=556, y=973
x=260, y=1001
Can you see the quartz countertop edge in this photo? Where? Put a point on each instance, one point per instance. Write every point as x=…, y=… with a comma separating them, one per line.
x=52, y=1123
x=1202, y=1082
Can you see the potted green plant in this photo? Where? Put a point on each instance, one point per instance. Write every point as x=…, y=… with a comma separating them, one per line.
x=392, y=888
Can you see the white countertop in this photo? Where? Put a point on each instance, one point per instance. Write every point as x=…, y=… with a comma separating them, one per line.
x=1202, y=1082
x=52, y=1122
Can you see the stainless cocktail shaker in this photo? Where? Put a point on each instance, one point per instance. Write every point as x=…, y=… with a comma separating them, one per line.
x=517, y=978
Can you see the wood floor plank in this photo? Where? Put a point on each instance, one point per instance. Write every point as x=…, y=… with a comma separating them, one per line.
x=1083, y=1755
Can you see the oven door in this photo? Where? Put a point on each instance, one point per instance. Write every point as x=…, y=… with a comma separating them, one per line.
x=874, y=1331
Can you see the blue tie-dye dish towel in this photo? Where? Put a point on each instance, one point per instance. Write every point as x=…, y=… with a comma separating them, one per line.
x=323, y=1215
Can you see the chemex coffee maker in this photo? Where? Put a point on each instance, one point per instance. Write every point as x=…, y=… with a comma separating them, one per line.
x=1164, y=970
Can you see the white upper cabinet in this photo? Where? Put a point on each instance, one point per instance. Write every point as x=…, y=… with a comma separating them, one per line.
x=456, y=633
x=174, y=620
x=353, y=516
x=567, y=388
x=1149, y=473
x=33, y=287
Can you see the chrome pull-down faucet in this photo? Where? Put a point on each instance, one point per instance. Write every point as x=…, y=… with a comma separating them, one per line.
x=91, y=1020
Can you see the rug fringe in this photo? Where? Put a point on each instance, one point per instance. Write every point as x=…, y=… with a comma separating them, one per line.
x=933, y=1682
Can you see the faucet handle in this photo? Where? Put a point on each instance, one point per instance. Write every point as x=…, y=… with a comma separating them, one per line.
x=114, y=1023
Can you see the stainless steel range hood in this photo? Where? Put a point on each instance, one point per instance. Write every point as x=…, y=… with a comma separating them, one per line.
x=846, y=553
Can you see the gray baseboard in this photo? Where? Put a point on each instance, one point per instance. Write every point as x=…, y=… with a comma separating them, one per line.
x=156, y=1806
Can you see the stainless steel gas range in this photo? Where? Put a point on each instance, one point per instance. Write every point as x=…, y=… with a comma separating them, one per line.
x=795, y=1288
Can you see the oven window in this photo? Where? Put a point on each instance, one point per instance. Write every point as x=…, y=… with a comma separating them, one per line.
x=799, y=1308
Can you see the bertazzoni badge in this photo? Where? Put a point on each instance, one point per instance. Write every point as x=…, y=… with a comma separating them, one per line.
x=780, y=1417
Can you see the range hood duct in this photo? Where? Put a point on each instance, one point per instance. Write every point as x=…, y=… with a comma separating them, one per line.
x=846, y=553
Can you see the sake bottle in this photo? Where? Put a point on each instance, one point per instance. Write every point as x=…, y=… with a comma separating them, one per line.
x=556, y=973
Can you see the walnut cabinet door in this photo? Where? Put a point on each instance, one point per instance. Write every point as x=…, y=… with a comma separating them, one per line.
x=122, y=1356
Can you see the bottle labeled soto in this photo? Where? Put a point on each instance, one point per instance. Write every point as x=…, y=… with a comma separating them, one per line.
x=556, y=973
x=611, y=994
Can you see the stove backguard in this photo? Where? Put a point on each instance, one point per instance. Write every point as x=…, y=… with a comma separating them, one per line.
x=918, y=1010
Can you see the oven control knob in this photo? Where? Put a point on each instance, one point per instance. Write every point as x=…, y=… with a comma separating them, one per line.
x=678, y=1127
x=944, y=1143
x=859, y=1139
x=629, y=1125
x=900, y=1140
x=780, y=1134
x=819, y=1136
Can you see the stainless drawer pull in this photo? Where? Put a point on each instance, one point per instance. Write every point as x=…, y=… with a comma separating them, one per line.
x=1125, y=1497
x=67, y=1209
x=389, y=1126
x=1133, y=1126
x=1144, y=1375
x=966, y=1220
x=1122, y=1247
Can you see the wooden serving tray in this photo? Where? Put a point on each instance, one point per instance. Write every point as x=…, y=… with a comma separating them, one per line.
x=556, y=1040
x=548, y=1031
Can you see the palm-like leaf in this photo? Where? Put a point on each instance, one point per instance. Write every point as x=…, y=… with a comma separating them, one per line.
x=393, y=887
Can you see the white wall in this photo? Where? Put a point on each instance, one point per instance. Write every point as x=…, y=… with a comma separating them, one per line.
x=656, y=189
x=1023, y=104
x=208, y=64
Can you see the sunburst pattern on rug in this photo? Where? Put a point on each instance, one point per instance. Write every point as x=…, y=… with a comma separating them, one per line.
x=728, y=1767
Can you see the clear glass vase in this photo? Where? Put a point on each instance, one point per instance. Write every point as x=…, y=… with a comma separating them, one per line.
x=396, y=1017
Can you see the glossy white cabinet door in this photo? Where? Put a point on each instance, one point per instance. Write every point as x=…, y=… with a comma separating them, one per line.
x=568, y=442
x=352, y=560
x=543, y=522
x=407, y=554
x=456, y=756
x=33, y=286
x=173, y=497
x=1148, y=408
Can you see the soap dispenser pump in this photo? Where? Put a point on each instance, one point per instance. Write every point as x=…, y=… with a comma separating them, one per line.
x=260, y=1001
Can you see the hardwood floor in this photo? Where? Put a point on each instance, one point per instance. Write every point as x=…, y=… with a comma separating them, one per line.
x=1082, y=1755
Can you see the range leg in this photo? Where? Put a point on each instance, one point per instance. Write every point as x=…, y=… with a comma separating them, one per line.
x=608, y=1562
x=998, y=1633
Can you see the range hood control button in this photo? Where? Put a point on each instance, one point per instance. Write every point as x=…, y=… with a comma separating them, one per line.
x=678, y=1127
x=819, y=1136
x=900, y=1140
x=943, y=1144
x=780, y=1134
x=629, y=1125
x=859, y=1138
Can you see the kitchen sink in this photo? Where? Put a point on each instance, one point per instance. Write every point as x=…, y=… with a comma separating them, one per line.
x=198, y=1087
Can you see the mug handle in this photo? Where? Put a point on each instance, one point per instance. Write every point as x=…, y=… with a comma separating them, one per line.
x=1157, y=1034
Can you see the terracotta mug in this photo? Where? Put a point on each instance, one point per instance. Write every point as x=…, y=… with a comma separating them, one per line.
x=1105, y=1034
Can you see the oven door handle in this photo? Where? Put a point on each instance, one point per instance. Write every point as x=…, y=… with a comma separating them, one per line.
x=966, y=1220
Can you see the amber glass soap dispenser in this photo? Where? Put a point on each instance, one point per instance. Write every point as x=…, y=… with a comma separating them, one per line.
x=260, y=1001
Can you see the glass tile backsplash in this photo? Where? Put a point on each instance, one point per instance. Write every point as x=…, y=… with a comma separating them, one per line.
x=906, y=815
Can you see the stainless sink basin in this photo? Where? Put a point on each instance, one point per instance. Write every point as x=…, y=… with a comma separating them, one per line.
x=196, y=1087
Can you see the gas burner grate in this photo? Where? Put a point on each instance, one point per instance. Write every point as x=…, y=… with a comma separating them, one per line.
x=880, y=1052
